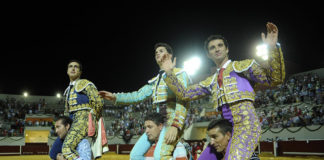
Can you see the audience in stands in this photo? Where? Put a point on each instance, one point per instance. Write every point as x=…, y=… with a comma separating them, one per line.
x=298, y=102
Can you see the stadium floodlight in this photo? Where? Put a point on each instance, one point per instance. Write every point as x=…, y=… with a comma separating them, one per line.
x=192, y=65
x=25, y=94
x=262, y=51
x=58, y=95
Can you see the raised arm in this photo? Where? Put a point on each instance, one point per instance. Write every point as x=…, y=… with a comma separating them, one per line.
x=190, y=93
x=270, y=72
x=276, y=69
x=182, y=92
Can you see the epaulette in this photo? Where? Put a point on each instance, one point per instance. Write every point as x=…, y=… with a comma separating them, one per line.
x=81, y=84
x=241, y=66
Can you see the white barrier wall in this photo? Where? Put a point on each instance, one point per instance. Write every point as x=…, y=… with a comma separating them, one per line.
x=302, y=134
x=12, y=141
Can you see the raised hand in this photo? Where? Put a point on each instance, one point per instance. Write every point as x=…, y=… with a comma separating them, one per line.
x=166, y=64
x=272, y=36
x=107, y=95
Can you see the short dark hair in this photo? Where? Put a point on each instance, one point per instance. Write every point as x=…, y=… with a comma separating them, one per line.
x=65, y=120
x=214, y=37
x=165, y=45
x=223, y=124
x=157, y=118
x=77, y=61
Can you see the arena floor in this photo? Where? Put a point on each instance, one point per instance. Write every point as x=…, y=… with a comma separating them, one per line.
x=113, y=156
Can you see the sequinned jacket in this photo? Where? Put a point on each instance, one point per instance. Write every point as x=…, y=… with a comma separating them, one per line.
x=236, y=81
x=160, y=94
x=83, y=96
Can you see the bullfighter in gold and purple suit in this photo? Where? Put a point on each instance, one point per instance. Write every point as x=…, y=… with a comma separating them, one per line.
x=231, y=89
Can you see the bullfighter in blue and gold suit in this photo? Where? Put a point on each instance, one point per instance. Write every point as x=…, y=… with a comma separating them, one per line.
x=231, y=90
x=164, y=101
x=81, y=99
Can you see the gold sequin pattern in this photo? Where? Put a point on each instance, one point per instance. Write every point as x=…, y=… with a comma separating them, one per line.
x=246, y=131
x=77, y=132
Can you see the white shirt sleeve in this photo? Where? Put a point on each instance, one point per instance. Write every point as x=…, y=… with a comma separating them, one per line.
x=84, y=150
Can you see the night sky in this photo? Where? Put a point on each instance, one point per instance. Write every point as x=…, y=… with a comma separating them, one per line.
x=115, y=45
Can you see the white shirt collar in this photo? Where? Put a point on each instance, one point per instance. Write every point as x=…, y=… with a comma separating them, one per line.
x=73, y=83
x=225, y=65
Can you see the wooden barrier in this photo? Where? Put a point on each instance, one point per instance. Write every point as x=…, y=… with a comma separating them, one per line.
x=125, y=148
x=266, y=147
x=301, y=147
x=114, y=156
x=285, y=148
x=35, y=149
x=9, y=150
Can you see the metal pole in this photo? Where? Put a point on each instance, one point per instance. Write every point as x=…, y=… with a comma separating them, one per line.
x=275, y=148
x=117, y=148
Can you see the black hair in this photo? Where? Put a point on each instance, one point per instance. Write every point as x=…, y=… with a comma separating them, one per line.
x=214, y=37
x=77, y=61
x=65, y=120
x=165, y=45
x=223, y=124
x=157, y=118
